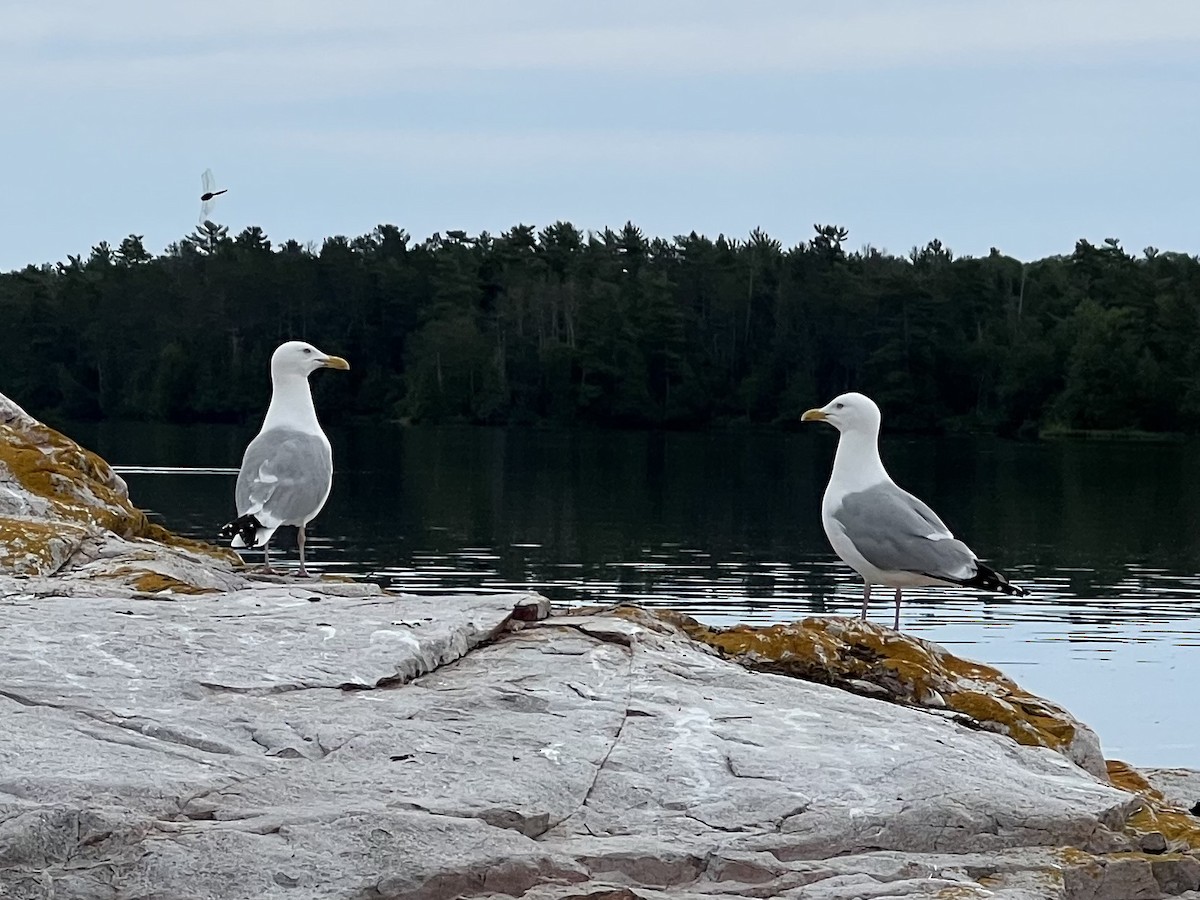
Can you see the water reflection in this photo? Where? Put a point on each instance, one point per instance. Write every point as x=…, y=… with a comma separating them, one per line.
x=725, y=526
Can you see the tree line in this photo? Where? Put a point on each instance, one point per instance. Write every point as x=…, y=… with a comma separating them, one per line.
x=610, y=328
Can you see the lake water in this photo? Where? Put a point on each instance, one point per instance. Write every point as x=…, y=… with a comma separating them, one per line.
x=726, y=526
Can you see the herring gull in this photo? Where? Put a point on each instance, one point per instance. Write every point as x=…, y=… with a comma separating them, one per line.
x=883, y=532
x=287, y=469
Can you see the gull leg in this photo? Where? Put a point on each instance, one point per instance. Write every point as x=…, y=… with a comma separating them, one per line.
x=896, y=627
x=267, y=570
x=300, y=544
x=866, y=598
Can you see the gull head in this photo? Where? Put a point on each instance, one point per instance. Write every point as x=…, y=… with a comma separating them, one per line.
x=301, y=358
x=848, y=413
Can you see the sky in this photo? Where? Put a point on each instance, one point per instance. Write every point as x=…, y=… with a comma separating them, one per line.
x=1024, y=125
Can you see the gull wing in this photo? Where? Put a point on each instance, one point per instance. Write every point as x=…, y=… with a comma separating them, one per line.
x=285, y=477
x=896, y=532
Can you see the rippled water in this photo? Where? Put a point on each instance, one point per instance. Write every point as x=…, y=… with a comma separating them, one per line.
x=725, y=526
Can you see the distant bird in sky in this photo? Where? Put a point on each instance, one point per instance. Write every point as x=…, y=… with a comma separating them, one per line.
x=208, y=199
x=287, y=470
x=880, y=530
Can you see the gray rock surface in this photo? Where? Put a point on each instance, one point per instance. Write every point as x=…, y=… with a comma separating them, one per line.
x=284, y=742
x=1180, y=787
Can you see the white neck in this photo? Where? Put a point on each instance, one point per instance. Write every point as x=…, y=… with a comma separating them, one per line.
x=856, y=465
x=291, y=405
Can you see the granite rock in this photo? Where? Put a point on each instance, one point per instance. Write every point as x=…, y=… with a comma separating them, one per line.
x=1179, y=787
x=285, y=742
x=875, y=661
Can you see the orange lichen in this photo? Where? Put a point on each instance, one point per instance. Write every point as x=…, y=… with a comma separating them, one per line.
x=1027, y=722
x=156, y=582
x=80, y=487
x=28, y=545
x=78, y=483
x=1127, y=778
x=1180, y=828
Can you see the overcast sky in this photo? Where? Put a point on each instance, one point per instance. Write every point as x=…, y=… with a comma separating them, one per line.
x=1023, y=125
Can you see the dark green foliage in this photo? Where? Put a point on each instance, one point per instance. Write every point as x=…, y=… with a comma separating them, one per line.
x=610, y=328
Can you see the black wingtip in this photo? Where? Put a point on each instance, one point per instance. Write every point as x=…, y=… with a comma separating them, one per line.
x=245, y=527
x=988, y=579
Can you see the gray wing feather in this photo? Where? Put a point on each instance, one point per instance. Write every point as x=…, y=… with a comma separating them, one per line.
x=285, y=477
x=891, y=529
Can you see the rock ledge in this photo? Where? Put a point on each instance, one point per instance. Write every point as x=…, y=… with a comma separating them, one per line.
x=287, y=742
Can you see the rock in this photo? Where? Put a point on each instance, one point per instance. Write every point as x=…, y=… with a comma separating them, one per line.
x=63, y=508
x=1179, y=787
x=1157, y=817
x=531, y=608
x=257, y=744
x=873, y=660
x=1153, y=842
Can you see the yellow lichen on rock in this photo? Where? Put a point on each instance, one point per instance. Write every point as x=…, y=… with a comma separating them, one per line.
x=156, y=582
x=964, y=892
x=860, y=656
x=1121, y=774
x=1180, y=828
x=76, y=483
x=1073, y=856
x=31, y=546
x=1028, y=720
x=177, y=574
x=155, y=532
x=53, y=493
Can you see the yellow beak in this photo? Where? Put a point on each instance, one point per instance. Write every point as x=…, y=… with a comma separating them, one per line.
x=813, y=415
x=336, y=362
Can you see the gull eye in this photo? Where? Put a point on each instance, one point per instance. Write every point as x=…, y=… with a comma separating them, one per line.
x=308, y=350
x=838, y=405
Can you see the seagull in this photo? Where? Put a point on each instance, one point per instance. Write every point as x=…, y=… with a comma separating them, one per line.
x=208, y=185
x=884, y=533
x=287, y=469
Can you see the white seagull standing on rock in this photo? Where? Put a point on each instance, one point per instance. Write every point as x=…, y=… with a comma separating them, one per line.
x=884, y=533
x=287, y=469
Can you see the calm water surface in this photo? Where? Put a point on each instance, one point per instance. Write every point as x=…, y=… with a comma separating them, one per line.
x=726, y=526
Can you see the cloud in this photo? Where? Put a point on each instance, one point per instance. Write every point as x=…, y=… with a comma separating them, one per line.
x=366, y=47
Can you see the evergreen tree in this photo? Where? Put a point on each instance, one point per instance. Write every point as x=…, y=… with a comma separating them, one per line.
x=611, y=328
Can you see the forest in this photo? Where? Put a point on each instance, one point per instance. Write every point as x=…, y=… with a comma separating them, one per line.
x=611, y=329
